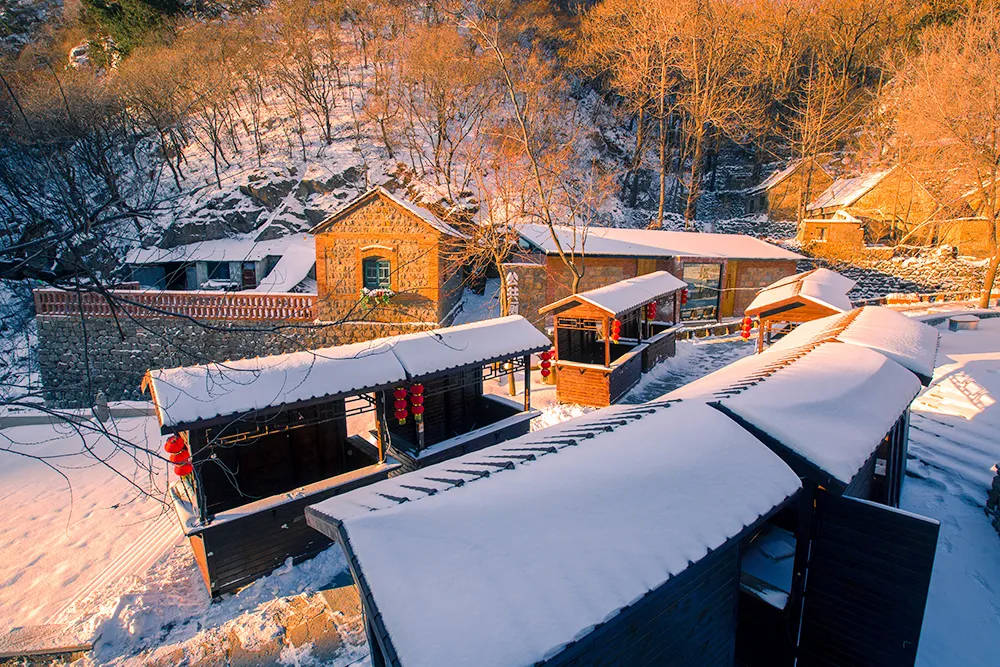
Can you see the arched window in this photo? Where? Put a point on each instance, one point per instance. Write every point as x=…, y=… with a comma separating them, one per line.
x=376, y=272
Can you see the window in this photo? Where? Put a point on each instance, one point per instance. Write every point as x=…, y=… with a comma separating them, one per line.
x=704, y=286
x=821, y=233
x=376, y=272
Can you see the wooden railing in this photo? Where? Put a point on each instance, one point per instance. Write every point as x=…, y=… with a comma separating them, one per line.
x=199, y=305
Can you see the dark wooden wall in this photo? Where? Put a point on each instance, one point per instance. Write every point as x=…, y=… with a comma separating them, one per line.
x=233, y=553
x=689, y=620
x=230, y=475
x=452, y=406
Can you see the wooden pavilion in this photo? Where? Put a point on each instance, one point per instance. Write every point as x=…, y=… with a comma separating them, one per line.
x=805, y=296
x=607, y=337
x=257, y=440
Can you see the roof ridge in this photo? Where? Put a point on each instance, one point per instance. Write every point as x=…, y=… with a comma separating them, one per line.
x=793, y=355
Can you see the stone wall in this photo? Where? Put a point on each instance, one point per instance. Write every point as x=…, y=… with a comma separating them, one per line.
x=381, y=229
x=531, y=290
x=77, y=361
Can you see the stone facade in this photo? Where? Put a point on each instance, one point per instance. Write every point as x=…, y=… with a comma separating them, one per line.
x=114, y=359
x=424, y=276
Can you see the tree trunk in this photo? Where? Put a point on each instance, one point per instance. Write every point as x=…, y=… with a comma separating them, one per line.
x=696, y=169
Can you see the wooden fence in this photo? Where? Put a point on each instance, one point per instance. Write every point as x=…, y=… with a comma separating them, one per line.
x=199, y=305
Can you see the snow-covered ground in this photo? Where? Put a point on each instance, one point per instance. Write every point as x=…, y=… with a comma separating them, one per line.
x=115, y=568
x=954, y=441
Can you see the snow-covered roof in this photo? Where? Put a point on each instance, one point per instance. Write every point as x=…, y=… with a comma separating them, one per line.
x=226, y=250
x=624, y=295
x=515, y=563
x=416, y=209
x=192, y=394
x=450, y=347
x=821, y=286
x=777, y=177
x=905, y=340
x=846, y=191
x=293, y=267
x=830, y=404
x=651, y=243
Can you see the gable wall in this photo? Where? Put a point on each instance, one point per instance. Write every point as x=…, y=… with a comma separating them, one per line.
x=783, y=199
x=379, y=228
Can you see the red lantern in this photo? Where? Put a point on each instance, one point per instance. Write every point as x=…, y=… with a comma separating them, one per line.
x=545, y=372
x=416, y=400
x=399, y=393
x=399, y=404
x=417, y=389
x=544, y=355
x=418, y=410
x=747, y=326
x=684, y=296
x=180, y=457
x=183, y=470
x=174, y=444
x=651, y=310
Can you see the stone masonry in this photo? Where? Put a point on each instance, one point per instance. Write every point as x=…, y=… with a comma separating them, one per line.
x=77, y=361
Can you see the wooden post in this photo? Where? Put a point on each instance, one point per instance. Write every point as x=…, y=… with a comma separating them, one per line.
x=380, y=425
x=527, y=382
x=677, y=308
x=642, y=322
x=760, y=336
x=607, y=343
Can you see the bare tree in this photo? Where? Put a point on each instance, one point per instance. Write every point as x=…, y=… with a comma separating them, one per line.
x=949, y=114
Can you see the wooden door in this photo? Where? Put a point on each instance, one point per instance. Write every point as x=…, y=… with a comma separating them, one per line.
x=868, y=571
x=644, y=266
x=727, y=300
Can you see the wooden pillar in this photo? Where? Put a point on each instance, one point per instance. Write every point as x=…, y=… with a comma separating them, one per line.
x=607, y=342
x=677, y=308
x=380, y=425
x=760, y=336
x=642, y=321
x=527, y=382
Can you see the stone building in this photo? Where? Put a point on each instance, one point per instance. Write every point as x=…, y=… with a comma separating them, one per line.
x=382, y=258
x=780, y=194
x=842, y=231
x=723, y=271
x=889, y=203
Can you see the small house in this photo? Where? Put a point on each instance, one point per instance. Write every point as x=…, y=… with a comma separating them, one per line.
x=606, y=338
x=805, y=296
x=969, y=227
x=721, y=270
x=278, y=265
x=842, y=231
x=784, y=192
x=890, y=202
x=262, y=438
x=383, y=257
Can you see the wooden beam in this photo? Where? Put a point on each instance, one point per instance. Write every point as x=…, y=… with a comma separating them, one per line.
x=380, y=425
x=607, y=342
x=527, y=382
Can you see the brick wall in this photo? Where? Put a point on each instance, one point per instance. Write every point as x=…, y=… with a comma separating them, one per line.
x=752, y=275
x=118, y=358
